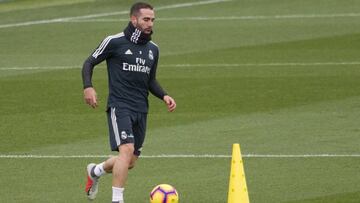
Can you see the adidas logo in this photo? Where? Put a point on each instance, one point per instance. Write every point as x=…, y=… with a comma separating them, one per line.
x=128, y=52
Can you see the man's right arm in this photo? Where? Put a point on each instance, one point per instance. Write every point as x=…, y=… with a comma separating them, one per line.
x=100, y=54
x=87, y=72
x=88, y=67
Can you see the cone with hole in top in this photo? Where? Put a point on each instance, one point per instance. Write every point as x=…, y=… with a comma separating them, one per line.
x=238, y=192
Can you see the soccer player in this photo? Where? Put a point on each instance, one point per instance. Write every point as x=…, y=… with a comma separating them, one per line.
x=132, y=60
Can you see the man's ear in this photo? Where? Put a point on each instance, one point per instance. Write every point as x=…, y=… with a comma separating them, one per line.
x=133, y=20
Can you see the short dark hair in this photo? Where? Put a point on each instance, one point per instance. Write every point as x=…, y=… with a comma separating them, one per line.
x=135, y=8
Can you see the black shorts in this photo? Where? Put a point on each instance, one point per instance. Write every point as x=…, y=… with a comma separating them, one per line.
x=126, y=127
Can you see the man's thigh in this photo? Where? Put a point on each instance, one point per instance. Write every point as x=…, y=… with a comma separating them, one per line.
x=120, y=128
x=139, y=130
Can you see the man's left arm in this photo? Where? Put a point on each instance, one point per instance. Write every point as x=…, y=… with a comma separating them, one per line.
x=158, y=91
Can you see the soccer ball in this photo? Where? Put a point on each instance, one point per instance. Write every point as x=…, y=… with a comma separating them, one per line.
x=164, y=193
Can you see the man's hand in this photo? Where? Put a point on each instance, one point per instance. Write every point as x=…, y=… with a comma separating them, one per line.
x=170, y=102
x=90, y=97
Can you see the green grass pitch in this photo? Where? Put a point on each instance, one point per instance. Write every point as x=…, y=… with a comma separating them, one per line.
x=279, y=77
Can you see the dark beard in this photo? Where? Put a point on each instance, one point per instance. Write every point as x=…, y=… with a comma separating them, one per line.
x=134, y=35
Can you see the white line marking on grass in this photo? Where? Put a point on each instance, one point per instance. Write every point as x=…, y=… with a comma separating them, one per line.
x=207, y=18
x=39, y=68
x=106, y=156
x=66, y=19
x=264, y=64
x=336, y=15
x=196, y=65
x=300, y=155
x=15, y=156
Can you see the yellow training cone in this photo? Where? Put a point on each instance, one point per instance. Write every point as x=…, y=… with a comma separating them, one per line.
x=238, y=192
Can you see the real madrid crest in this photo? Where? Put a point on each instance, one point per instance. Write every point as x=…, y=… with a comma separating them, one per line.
x=151, y=55
x=123, y=135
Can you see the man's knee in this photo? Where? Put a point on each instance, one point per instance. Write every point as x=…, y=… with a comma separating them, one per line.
x=126, y=149
x=126, y=152
x=133, y=161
